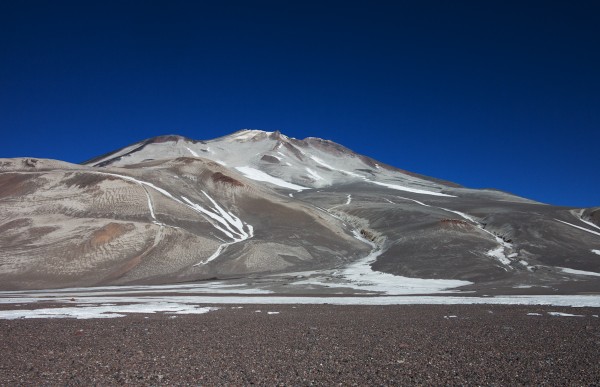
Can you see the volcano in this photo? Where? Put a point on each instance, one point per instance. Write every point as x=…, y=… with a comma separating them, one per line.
x=272, y=213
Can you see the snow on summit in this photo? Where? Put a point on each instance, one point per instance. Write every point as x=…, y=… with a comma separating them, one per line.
x=302, y=216
x=279, y=160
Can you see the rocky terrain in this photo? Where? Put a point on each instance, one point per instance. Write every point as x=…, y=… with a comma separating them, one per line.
x=295, y=216
x=310, y=345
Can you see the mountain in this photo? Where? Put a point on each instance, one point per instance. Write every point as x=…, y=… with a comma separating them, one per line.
x=276, y=214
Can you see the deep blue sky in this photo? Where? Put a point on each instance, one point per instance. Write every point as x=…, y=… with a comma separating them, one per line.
x=502, y=94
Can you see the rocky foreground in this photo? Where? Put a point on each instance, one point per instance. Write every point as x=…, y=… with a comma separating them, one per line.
x=305, y=345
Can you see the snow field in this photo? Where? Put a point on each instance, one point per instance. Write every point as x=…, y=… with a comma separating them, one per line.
x=106, y=311
x=360, y=276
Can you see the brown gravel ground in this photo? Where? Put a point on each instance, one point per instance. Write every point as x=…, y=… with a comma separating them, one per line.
x=309, y=345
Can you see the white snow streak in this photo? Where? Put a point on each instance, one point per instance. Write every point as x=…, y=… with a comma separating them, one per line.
x=150, y=207
x=581, y=228
x=192, y=152
x=228, y=224
x=319, y=161
x=596, y=252
x=580, y=217
x=499, y=252
x=314, y=174
x=247, y=134
x=216, y=253
x=233, y=226
x=408, y=189
x=361, y=177
x=578, y=272
x=462, y=215
x=416, y=201
x=230, y=219
x=349, y=200
x=560, y=314
x=257, y=175
x=142, y=184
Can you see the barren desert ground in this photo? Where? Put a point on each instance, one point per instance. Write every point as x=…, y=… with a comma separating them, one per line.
x=309, y=345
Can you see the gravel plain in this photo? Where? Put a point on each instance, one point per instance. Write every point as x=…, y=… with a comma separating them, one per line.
x=309, y=345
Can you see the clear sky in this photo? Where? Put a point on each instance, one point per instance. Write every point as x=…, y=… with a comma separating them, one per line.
x=488, y=94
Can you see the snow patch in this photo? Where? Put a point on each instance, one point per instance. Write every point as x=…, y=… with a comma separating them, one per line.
x=578, y=272
x=359, y=275
x=247, y=134
x=526, y=264
x=106, y=311
x=408, y=189
x=596, y=252
x=498, y=253
x=257, y=175
x=319, y=161
x=560, y=314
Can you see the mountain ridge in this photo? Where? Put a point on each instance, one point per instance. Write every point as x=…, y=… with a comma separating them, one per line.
x=258, y=135
x=280, y=215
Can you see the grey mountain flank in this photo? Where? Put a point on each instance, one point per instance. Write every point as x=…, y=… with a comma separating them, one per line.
x=263, y=210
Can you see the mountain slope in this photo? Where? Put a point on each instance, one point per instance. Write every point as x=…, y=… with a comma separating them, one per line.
x=295, y=215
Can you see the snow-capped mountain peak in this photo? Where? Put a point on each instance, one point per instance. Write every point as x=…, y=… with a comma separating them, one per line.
x=170, y=209
x=279, y=160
